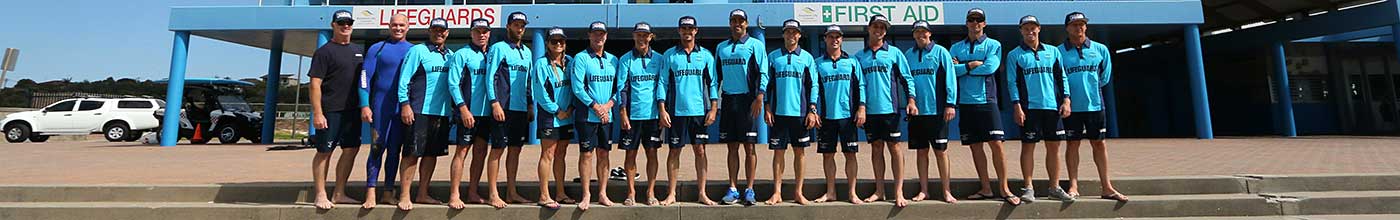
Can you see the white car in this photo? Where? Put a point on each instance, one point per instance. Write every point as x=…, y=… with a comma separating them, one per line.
x=118, y=119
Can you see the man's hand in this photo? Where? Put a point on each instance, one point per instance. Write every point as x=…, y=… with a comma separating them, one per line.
x=813, y=121
x=530, y=115
x=710, y=116
x=366, y=115
x=949, y=113
x=757, y=108
x=600, y=111
x=768, y=117
x=955, y=61
x=563, y=114
x=665, y=119
x=466, y=114
x=1019, y=116
x=974, y=64
x=860, y=117
x=319, y=121
x=626, y=124
x=911, y=108
x=497, y=112
x=406, y=114
x=1064, y=109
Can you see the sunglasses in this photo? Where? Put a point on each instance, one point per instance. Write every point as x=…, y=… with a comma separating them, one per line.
x=345, y=23
x=556, y=41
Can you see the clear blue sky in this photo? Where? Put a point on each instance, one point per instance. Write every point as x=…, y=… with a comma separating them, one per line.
x=95, y=39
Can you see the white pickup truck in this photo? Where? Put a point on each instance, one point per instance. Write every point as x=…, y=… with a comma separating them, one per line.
x=118, y=119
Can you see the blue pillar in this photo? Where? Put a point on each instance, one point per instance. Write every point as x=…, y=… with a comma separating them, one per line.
x=322, y=37
x=538, y=49
x=274, y=82
x=757, y=33
x=175, y=89
x=1196, y=66
x=1285, y=98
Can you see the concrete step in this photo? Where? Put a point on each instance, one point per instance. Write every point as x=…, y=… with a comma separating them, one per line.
x=1278, y=217
x=1338, y=202
x=1141, y=206
x=1322, y=182
x=301, y=192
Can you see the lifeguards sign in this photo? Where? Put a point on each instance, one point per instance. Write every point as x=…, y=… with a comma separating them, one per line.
x=859, y=13
x=377, y=17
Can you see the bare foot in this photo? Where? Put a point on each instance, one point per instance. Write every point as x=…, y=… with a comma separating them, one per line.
x=874, y=197
x=707, y=201
x=802, y=200
x=370, y=200
x=342, y=199
x=1073, y=191
x=775, y=199
x=497, y=203
x=629, y=202
x=855, y=200
x=948, y=198
x=651, y=201
x=825, y=198
x=405, y=205
x=323, y=203
x=456, y=203
x=425, y=199
x=900, y=202
x=919, y=197
x=603, y=200
x=519, y=199
x=565, y=199
x=472, y=197
x=669, y=200
x=583, y=203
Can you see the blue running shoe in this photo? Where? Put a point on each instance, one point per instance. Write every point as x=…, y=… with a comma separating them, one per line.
x=732, y=197
x=748, y=197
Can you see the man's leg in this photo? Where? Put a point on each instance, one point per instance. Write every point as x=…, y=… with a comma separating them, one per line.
x=999, y=162
x=673, y=165
x=797, y=170
x=513, y=168
x=1072, y=165
x=319, y=164
x=479, y=151
x=701, y=166
x=1101, y=161
x=585, y=168
x=493, y=169
x=602, y=169
x=921, y=160
x=459, y=159
x=348, y=132
x=851, y=172
x=943, y=174
x=426, y=167
x=372, y=167
x=408, y=164
x=877, y=162
x=652, y=166
x=979, y=163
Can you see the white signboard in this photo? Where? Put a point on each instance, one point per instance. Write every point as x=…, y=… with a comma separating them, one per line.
x=904, y=13
x=377, y=17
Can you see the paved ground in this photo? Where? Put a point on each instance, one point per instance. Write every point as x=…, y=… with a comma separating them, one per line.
x=99, y=162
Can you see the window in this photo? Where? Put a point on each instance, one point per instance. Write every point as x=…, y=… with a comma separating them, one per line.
x=134, y=104
x=65, y=106
x=89, y=105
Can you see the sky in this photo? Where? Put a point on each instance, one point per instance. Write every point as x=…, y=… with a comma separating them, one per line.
x=96, y=39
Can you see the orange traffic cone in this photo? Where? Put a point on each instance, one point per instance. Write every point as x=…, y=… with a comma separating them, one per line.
x=198, y=133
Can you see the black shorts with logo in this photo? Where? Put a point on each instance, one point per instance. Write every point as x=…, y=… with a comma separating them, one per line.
x=644, y=133
x=979, y=123
x=927, y=131
x=1085, y=125
x=837, y=132
x=691, y=128
x=342, y=129
x=430, y=134
x=788, y=130
x=736, y=121
x=882, y=127
x=1042, y=124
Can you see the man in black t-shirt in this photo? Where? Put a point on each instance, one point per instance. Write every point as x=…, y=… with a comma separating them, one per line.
x=335, y=107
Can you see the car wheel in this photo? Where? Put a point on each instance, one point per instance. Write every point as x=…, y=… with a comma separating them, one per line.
x=135, y=135
x=38, y=138
x=17, y=133
x=116, y=132
x=228, y=134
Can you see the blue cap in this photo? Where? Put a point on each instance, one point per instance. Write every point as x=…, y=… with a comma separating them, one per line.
x=921, y=24
x=833, y=28
x=1076, y=16
x=976, y=13
x=739, y=13
x=642, y=27
x=598, y=26
x=1030, y=19
x=556, y=31
x=480, y=23
x=686, y=21
x=879, y=18
x=438, y=23
x=792, y=24
x=517, y=16
x=342, y=15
